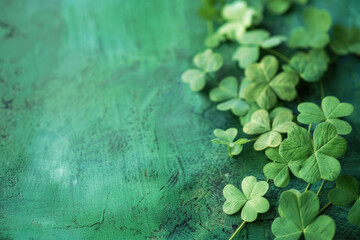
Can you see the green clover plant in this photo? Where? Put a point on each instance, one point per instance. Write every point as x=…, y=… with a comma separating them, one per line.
x=278, y=170
x=331, y=109
x=250, y=200
x=315, y=33
x=279, y=7
x=309, y=66
x=346, y=192
x=230, y=92
x=298, y=215
x=250, y=44
x=227, y=138
x=270, y=135
x=238, y=16
x=206, y=62
x=266, y=86
x=346, y=40
x=317, y=156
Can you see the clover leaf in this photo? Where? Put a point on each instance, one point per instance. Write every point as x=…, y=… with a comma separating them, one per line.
x=251, y=200
x=247, y=117
x=227, y=138
x=278, y=170
x=317, y=157
x=310, y=66
x=298, y=213
x=331, y=109
x=315, y=33
x=346, y=40
x=238, y=17
x=270, y=135
x=279, y=7
x=346, y=192
x=210, y=9
x=206, y=62
x=229, y=90
x=265, y=87
x=251, y=42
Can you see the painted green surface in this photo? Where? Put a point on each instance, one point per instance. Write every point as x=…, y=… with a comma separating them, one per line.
x=101, y=140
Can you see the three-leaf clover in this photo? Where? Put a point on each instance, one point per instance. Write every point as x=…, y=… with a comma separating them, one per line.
x=298, y=213
x=331, y=109
x=310, y=66
x=206, y=62
x=227, y=138
x=238, y=16
x=278, y=170
x=346, y=192
x=270, y=135
x=230, y=92
x=279, y=7
x=315, y=33
x=317, y=156
x=346, y=40
x=265, y=86
x=251, y=42
x=251, y=200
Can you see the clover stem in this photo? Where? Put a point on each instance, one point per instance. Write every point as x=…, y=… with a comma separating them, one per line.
x=328, y=204
x=309, y=128
x=253, y=139
x=237, y=230
x=267, y=180
x=229, y=150
x=278, y=54
x=322, y=184
x=321, y=89
x=307, y=187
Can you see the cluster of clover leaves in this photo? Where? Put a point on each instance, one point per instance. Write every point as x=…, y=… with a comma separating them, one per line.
x=310, y=154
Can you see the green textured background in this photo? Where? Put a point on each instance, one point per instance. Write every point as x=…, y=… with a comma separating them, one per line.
x=101, y=140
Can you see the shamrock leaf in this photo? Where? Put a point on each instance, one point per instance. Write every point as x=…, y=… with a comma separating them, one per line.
x=270, y=136
x=331, y=109
x=265, y=86
x=318, y=157
x=278, y=170
x=346, y=40
x=251, y=201
x=238, y=16
x=315, y=34
x=247, y=117
x=298, y=213
x=251, y=42
x=229, y=90
x=311, y=66
x=279, y=7
x=227, y=138
x=346, y=192
x=206, y=62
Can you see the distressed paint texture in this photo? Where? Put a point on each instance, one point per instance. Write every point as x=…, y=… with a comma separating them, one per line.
x=101, y=140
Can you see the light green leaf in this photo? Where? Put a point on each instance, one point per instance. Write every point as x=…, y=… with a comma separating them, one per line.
x=260, y=124
x=235, y=199
x=195, y=78
x=254, y=37
x=208, y=61
x=279, y=7
x=331, y=109
x=317, y=24
x=247, y=117
x=298, y=213
x=345, y=192
x=232, y=30
x=265, y=85
x=238, y=11
x=310, y=66
x=251, y=199
x=229, y=90
x=227, y=136
x=246, y=55
x=236, y=149
x=345, y=40
x=272, y=42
